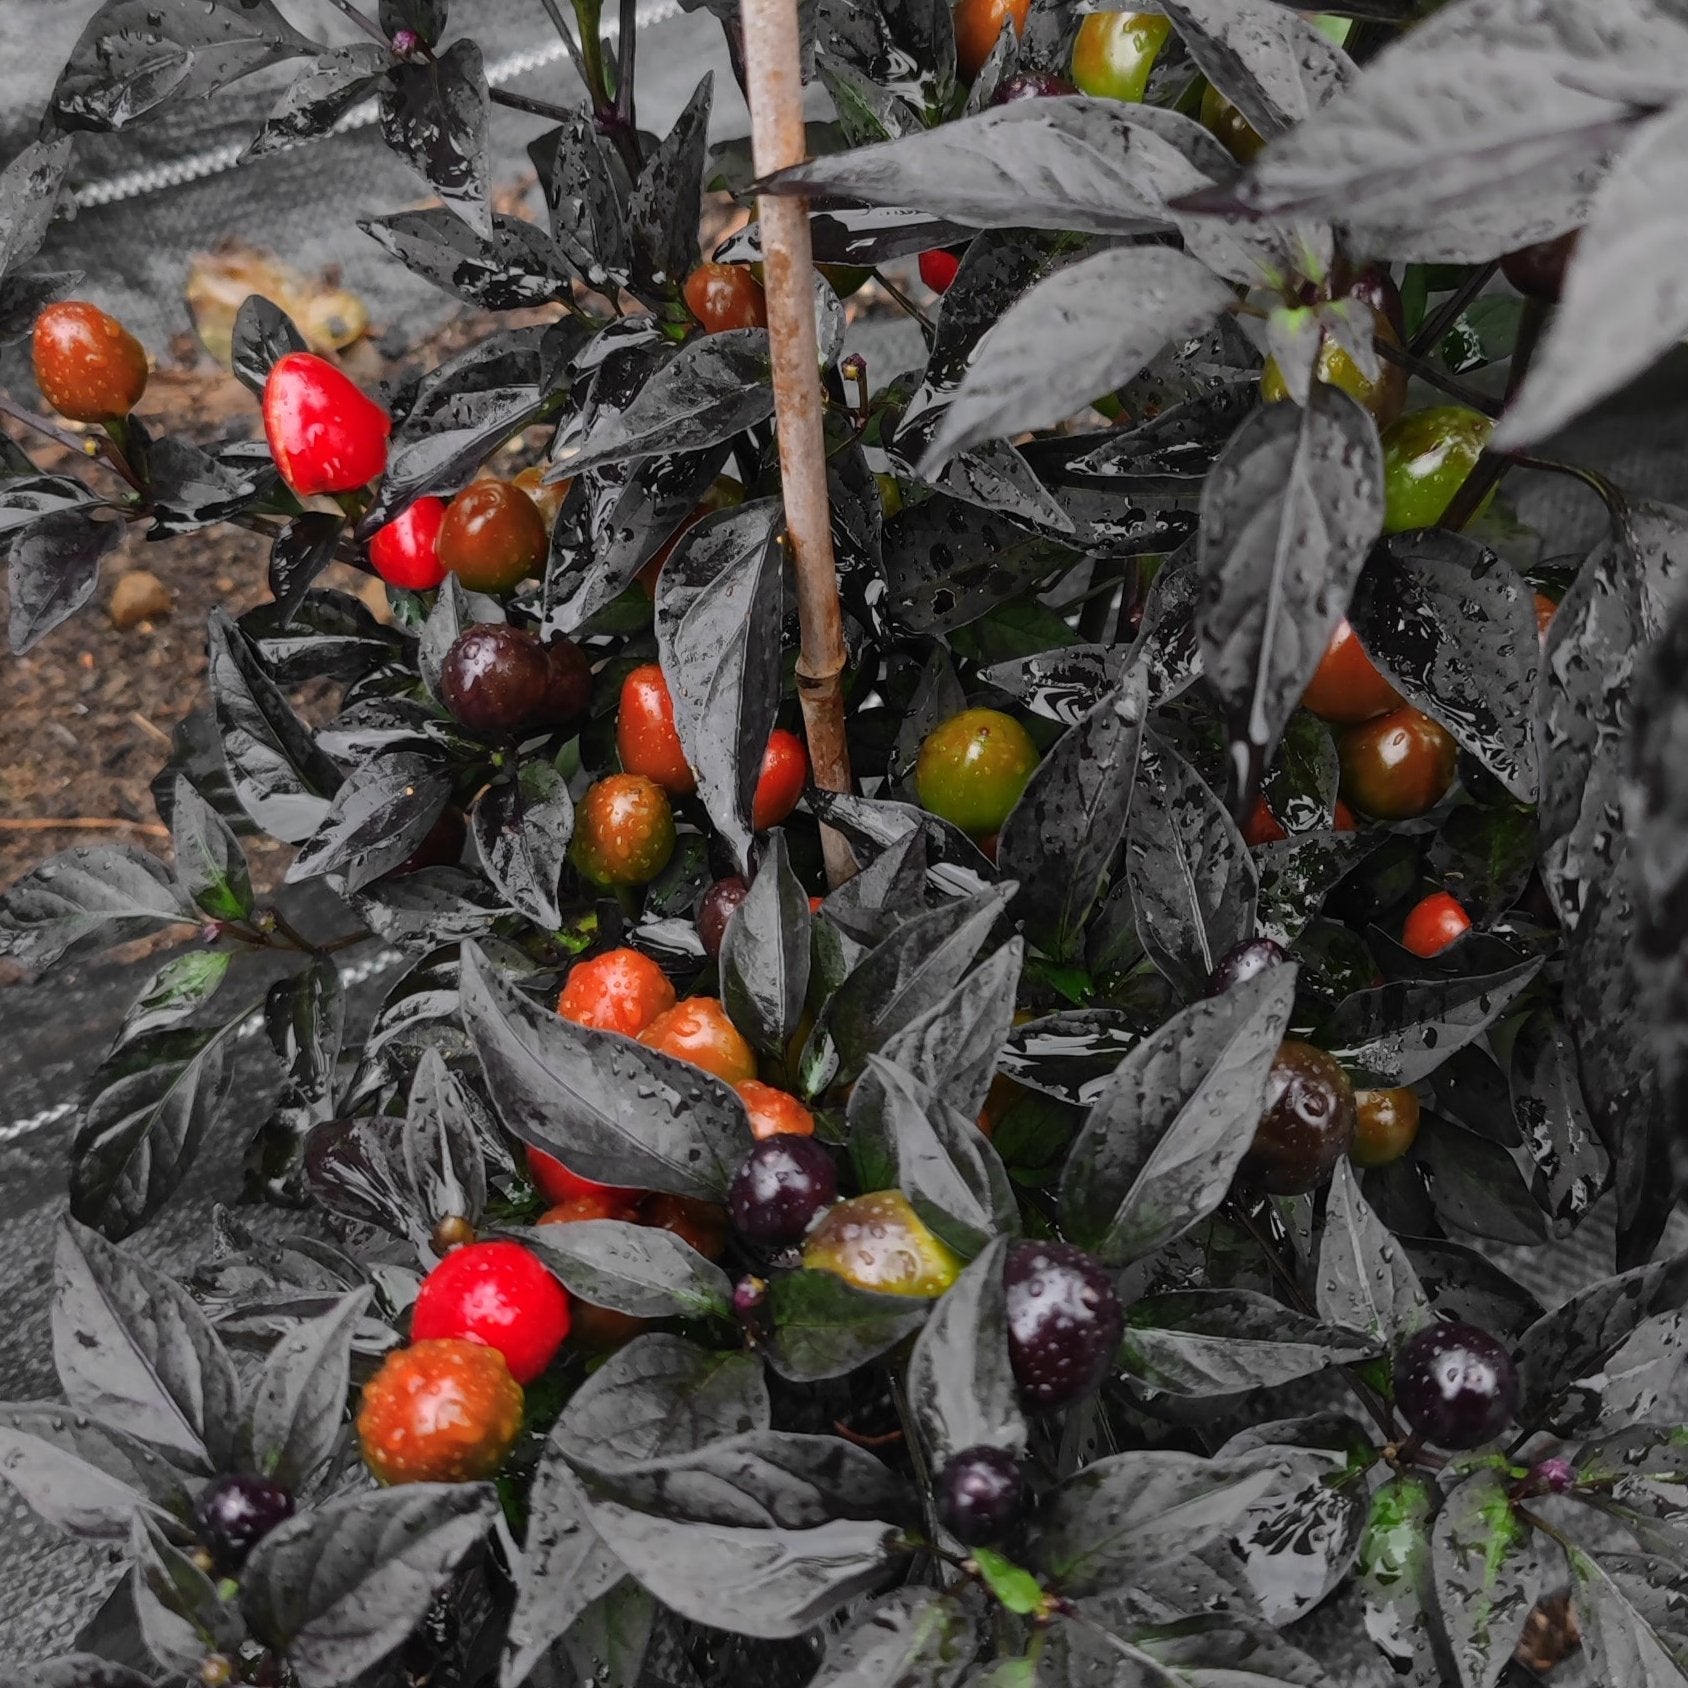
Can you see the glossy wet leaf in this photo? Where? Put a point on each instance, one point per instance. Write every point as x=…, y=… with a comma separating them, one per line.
x=1166, y=1133
x=299, y=1398
x=1071, y=1053
x=379, y=816
x=263, y=335
x=1300, y=782
x=321, y=94
x=1289, y=512
x=1576, y=1338
x=84, y=1478
x=897, y=982
x=948, y=562
x=775, y=1581
x=300, y=552
x=177, y=1607
x=1366, y=1280
x=640, y=1270
x=514, y=267
x=1572, y=1165
x=522, y=829
x=952, y=1048
x=1400, y=1033
x=564, y=1566
x=1064, y=833
x=279, y=776
x=1476, y=1184
x=662, y=213
x=1193, y=883
x=824, y=1327
x=177, y=991
x=1622, y=1645
x=912, y=1637
x=714, y=386
x=1130, y=1512
x=1453, y=627
x=765, y=955
x=131, y=1347
x=1394, y=1577
x=434, y=115
x=191, y=489
x=1089, y=165
x=147, y=1110
x=1445, y=142
x=960, y=1384
x=1273, y=65
x=790, y=1480
x=1490, y=1568
x=1221, y=1342
x=54, y=568
x=661, y=1395
x=1063, y=338
x=586, y=189
x=602, y=1104
x=633, y=510
x=135, y=56
x=86, y=898
x=1463, y=1284
x=719, y=604
x=340, y=1587
x=210, y=864
x=904, y=1138
x=1620, y=310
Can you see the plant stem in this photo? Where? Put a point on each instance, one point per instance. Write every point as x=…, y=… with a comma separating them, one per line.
x=570, y=45
x=774, y=84
x=94, y=446
x=1447, y=313
x=1439, y=377
x=587, y=13
x=368, y=25
x=1487, y=471
x=625, y=65
x=290, y=932
x=538, y=108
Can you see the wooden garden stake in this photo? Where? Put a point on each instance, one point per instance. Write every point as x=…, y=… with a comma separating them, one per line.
x=771, y=59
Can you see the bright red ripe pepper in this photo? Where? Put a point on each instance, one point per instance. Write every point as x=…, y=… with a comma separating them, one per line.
x=1433, y=924
x=785, y=771
x=406, y=552
x=938, y=269
x=325, y=433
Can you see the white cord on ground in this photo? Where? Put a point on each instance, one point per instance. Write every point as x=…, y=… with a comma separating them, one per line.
x=11, y=1131
x=213, y=161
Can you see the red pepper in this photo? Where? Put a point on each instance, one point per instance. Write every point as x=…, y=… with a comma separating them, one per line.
x=325, y=434
x=406, y=552
x=938, y=269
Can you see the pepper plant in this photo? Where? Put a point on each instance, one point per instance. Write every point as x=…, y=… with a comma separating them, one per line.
x=1068, y=1249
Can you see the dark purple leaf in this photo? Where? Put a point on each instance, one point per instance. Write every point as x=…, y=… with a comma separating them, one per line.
x=1169, y=1127
x=719, y=606
x=134, y=56
x=514, y=268
x=321, y=95
x=379, y=816
x=1193, y=883
x=1288, y=514
x=522, y=827
x=53, y=570
x=434, y=114
x=1454, y=628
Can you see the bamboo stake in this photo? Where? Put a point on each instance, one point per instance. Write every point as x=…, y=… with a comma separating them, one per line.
x=774, y=82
